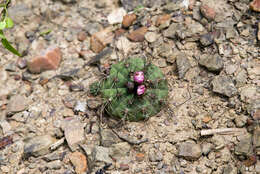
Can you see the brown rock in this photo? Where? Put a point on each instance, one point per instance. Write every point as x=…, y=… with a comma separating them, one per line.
x=119, y=32
x=255, y=5
x=128, y=20
x=137, y=35
x=100, y=39
x=162, y=19
x=50, y=60
x=82, y=36
x=139, y=157
x=79, y=161
x=124, y=167
x=208, y=12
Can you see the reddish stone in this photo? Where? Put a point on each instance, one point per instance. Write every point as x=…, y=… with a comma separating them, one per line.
x=119, y=32
x=128, y=20
x=124, y=167
x=100, y=39
x=162, y=19
x=82, y=36
x=137, y=35
x=191, y=4
x=79, y=161
x=208, y=12
x=258, y=33
x=50, y=60
x=255, y=5
x=139, y=157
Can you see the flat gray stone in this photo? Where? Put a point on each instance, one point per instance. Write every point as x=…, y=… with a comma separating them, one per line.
x=212, y=62
x=224, y=85
x=183, y=65
x=17, y=103
x=189, y=150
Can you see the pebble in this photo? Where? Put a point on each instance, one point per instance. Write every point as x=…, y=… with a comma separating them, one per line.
x=101, y=154
x=212, y=62
x=151, y=36
x=155, y=155
x=39, y=145
x=17, y=103
x=99, y=40
x=249, y=93
x=137, y=35
x=189, y=150
x=255, y=5
x=128, y=20
x=80, y=106
x=124, y=167
x=139, y=157
x=241, y=120
x=74, y=132
x=81, y=36
x=120, y=150
x=49, y=60
x=224, y=85
x=19, y=12
x=6, y=127
x=161, y=20
x=116, y=16
x=244, y=147
x=183, y=65
x=93, y=27
x=79, y=161
x=108, y=137
x=206, y=39
x=207, y=12
x=21, y=63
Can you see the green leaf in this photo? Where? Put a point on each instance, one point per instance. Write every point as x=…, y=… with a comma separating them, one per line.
x=2, y=36
x=9, y=22
x=8, y=46
x=2, y=25
x=45, y=32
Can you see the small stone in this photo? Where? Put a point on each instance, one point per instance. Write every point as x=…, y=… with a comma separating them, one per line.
x=55, y=165
x=11, y=67
x=124, y=167
x=19, y=12
x=255, y=5
x=99, y=40
x=93, y=27
x=163, y=19
x=128, y=20
x=54, y=156
x=212, y=62
x=49, y=60
x=17, y=103
x=119, y=32
x=183, y=65
x=151, y=36
x=101, y=154
x=38, y=145
x=189, y=150
x=80, y=106
x=228, y=169
x=116, y=16
x=206, y=39
x=21, y=63
x=256, y=115
x=224, y=85
x=108, y=138
x=173, y=6
x=81, y=36
x=137, y=35
x=139, y=157
x=74, y=132
x=206, y=148
x=249, y=93
x=79, y=161
x=244, y=147
x=6, y=127
x=120, y=150
x=208, y=12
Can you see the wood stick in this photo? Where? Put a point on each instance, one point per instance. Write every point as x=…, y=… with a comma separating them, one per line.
x=222, y=131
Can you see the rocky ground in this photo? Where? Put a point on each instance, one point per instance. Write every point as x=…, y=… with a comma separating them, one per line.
x=208, y=50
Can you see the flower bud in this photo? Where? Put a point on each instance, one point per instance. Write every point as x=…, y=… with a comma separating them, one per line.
x=139, y=77
x=141, y=89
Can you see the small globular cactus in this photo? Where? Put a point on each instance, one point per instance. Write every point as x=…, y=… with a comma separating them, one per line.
x=134, y=90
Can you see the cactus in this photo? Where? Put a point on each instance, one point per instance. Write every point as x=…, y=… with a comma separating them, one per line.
x=127, y=99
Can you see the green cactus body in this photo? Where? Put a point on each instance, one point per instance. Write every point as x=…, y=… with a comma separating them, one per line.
x=122, y=103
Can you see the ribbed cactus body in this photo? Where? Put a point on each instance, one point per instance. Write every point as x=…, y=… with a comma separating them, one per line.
x=121, y=102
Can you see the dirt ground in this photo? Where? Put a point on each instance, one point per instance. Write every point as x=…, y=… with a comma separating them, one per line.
x=208, y=51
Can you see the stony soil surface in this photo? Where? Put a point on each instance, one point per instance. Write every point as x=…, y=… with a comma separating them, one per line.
x=208, y=50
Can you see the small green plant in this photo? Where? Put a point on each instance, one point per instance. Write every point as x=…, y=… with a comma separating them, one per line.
x=134, y=90
x=138, y=8
x=6, y=22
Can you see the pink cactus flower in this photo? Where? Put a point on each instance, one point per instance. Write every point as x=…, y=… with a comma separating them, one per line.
x=139, y=77
x=141, y=89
